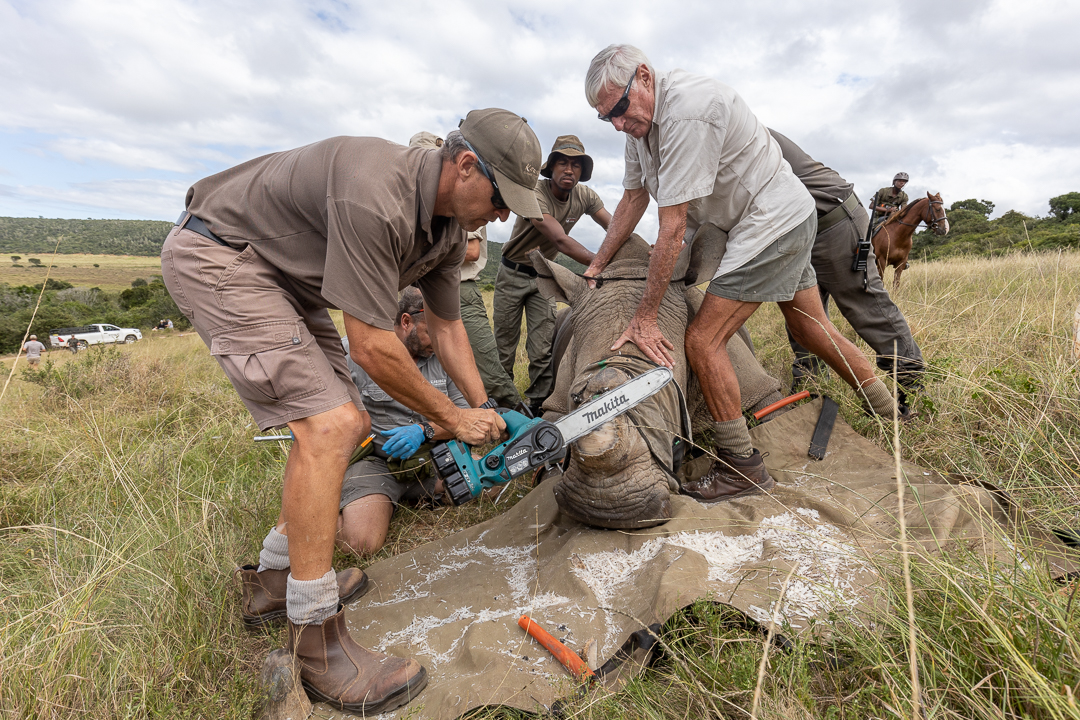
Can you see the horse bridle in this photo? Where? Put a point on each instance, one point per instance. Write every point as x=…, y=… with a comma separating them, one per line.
x=931, y=223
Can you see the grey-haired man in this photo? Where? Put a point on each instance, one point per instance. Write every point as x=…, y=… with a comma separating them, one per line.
x=695, y=147
x=260, y=254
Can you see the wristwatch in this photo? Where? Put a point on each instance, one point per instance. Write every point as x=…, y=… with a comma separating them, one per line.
x=429, y=432
x=488, y=404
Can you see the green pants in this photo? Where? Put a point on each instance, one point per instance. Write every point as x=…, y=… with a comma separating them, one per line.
x=474, y=315
x=516, y=293
x=871, y=312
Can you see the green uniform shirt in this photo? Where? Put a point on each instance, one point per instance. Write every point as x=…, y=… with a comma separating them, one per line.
x=891, y=198
x=525, y=237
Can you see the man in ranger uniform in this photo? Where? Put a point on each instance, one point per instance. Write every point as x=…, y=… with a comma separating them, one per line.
x=563, y=201
x=260, y=254
x=871, y=312
x=498, y=384
x=889, y=200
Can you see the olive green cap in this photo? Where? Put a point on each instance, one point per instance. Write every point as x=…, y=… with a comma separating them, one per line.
x=571, y=147
x=425, y=139
x=508, y=146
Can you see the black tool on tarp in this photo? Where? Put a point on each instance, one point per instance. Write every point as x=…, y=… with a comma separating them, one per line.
x=819, y=442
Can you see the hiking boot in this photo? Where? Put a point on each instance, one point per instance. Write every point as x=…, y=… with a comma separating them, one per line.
x=730, y=477
x=263, y=593
x=336, y=670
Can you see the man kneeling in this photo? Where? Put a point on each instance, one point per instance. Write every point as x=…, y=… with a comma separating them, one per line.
x=399, y=469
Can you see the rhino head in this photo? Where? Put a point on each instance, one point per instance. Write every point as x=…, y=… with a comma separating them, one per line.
x=618, y=476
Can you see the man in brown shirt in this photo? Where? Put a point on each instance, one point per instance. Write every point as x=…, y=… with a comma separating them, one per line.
x=563, y=201
x=260, y=254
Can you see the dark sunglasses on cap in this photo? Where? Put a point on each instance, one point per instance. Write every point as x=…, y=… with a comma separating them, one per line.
x=496, y=199
x=620, y=108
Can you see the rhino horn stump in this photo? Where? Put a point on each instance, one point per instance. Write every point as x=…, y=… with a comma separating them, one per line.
x=284, y=696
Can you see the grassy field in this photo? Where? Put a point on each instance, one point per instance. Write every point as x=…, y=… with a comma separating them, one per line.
x=111, y=273
x=130, y=489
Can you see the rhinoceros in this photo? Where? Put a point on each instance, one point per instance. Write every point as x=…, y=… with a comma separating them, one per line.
x=622, y=474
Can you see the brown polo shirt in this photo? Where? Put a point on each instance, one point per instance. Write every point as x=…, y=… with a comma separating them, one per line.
x=348, y=220
x=525, y=237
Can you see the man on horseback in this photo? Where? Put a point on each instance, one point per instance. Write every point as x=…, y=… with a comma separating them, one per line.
x=889, y=200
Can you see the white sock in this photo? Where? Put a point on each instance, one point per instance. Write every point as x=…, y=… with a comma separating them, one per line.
x=275, y=552
x=311, y=602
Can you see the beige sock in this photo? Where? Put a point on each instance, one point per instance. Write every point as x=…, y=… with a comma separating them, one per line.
x=311, y=602
x=275, y=552
x=880, y=400
x=733, y=437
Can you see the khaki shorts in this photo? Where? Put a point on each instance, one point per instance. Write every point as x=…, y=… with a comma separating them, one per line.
x=285, y=360
x=777, y=272
x=34, y=361
x=371, y=477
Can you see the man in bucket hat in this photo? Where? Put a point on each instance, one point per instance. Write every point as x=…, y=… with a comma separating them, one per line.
x=255, y=261
x=563, y=201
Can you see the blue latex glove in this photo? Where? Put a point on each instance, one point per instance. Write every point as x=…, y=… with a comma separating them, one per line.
x=403, y=441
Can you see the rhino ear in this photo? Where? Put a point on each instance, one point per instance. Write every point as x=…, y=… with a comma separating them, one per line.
x=704, y=254
x=556, y=282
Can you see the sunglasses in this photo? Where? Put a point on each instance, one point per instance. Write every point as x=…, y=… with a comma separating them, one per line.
x=620, y=108
x=496, y=199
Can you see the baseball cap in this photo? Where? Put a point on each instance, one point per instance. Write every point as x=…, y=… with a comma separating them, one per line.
x=571, y=147
x=425, y=139
x=509, y=147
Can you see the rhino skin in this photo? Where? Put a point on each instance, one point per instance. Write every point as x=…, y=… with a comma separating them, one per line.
x=611, y=479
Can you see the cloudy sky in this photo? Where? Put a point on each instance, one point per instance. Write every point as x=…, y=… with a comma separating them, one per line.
x=112, y=108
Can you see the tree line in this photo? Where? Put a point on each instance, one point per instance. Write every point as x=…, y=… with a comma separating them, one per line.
x=62, y=305
x=972, y=232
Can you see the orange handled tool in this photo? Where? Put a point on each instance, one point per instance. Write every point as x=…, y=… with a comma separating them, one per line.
x=781, y=403
x=563, y=654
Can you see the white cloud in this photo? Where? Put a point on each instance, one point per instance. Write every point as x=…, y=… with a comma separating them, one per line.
x=953, y=93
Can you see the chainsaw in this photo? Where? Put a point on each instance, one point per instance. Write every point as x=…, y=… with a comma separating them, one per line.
x=535, y=442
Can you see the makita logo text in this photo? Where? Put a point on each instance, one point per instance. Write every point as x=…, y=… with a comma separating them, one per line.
x=606, y=408
x=516, y=454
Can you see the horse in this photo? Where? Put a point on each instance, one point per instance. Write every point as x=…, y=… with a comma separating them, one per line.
x=892, y=241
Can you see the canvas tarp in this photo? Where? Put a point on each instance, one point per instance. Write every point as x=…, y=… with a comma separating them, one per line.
x=454, y=604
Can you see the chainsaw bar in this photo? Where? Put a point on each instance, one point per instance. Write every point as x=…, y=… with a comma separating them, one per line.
x=586, y=418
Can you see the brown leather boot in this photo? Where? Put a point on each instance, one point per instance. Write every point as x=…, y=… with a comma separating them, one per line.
x=336, y=670
x=730, y=477
x=263, y=593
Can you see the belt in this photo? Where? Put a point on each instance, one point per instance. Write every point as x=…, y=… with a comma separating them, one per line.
x=838, y=213
x=187, y=221
x=527, y=269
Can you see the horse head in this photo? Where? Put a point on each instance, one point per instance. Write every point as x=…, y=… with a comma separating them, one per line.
x=934, y=216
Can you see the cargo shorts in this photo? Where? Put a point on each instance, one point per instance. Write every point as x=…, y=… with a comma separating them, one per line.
x=284, y=359
x=371, y=476
x=776, y=273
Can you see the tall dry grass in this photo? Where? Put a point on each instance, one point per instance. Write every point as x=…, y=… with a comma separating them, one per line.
x=130, y=489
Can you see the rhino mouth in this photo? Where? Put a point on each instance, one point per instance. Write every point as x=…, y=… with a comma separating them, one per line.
x=612, y=480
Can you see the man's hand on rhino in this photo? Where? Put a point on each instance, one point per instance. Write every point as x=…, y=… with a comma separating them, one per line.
x=478, y=427
x=647, y=336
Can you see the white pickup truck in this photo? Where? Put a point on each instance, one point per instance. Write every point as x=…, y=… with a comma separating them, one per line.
x=86, y=335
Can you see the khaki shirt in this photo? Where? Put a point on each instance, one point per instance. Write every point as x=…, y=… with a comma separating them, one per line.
x=470, y=270
x=349, y=222
x=525, y=236
x=891, y=198
x=707, y=148
x=828, y=189
x=386, y=412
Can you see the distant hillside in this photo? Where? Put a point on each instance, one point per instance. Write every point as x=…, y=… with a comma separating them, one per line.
x=95, y=237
